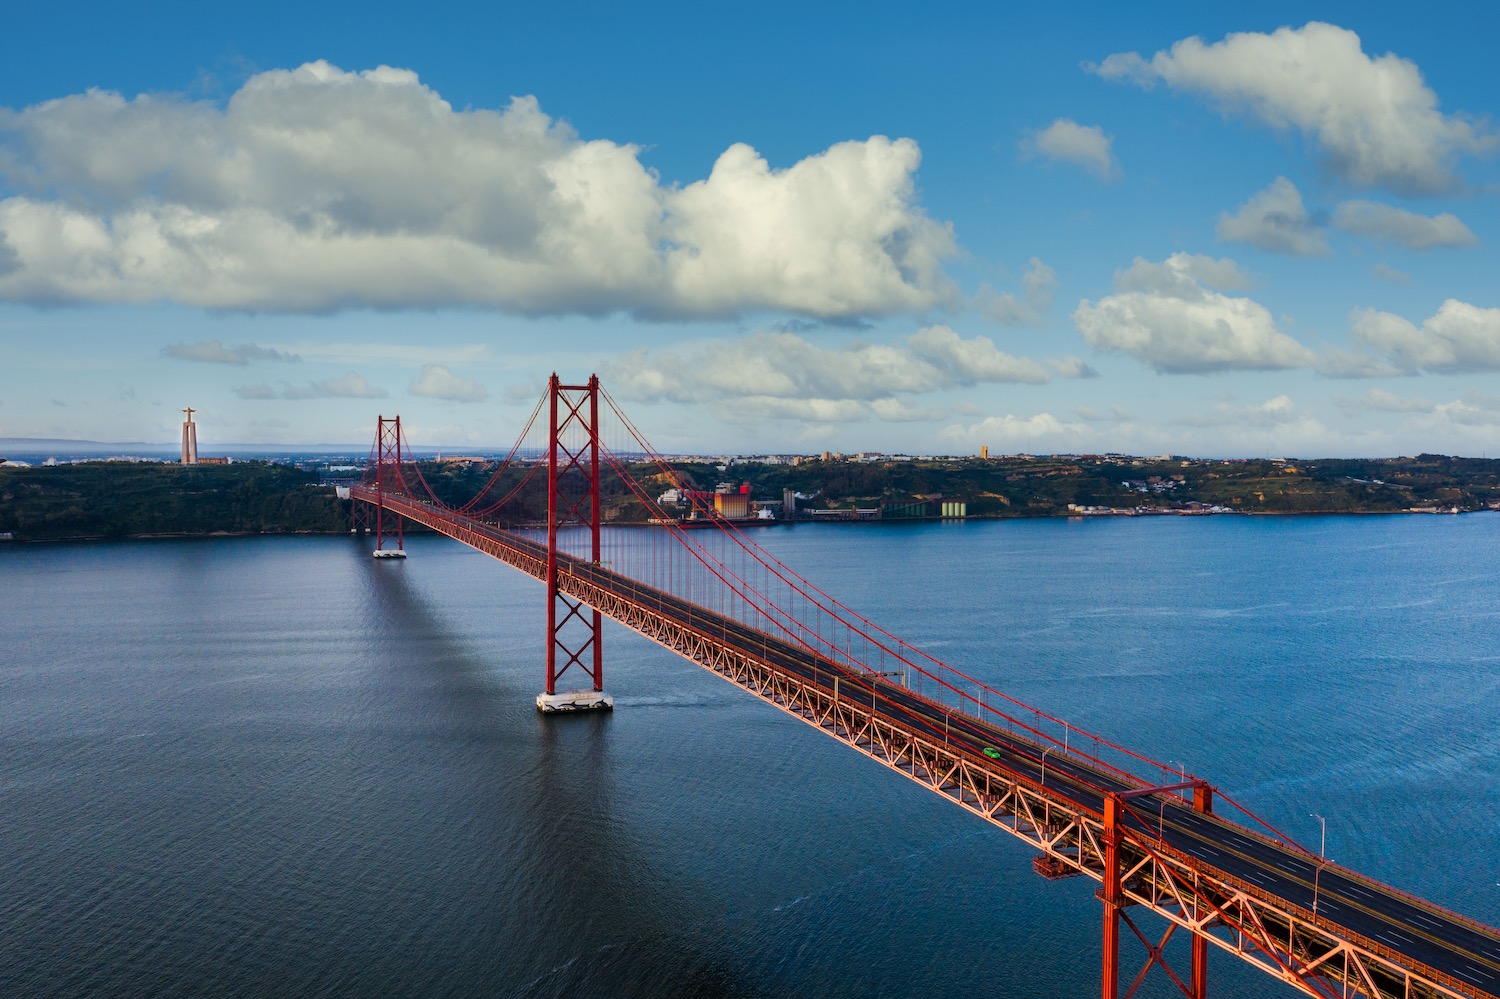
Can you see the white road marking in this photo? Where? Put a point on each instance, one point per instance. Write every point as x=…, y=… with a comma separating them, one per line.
x=1481, y=971
x=1417, y=917
x=1362, y=891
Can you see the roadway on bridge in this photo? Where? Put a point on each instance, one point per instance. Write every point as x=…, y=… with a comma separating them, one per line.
x=1405, y=925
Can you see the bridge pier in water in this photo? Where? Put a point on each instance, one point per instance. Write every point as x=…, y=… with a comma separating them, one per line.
x=575, y=637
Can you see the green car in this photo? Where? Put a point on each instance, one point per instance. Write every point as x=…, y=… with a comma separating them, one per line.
x=992, y=752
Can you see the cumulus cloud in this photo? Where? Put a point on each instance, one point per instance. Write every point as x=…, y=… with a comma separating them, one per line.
x=1458, y=339
x=782, y=375
x=969, y=362
x=1395, y=225
x=1375, y=120
x=1276, y=220
x=1066, y=141
x=1041, y=432
x=437, y=382
x=1171, y=317
x=214, y=352
x=1039, y=289
x=316, y=189
x=350, y=386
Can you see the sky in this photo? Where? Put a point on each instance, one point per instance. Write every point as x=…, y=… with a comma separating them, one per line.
x=1188, y=228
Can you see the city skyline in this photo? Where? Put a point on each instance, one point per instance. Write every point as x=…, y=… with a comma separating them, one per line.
x=1206, y=232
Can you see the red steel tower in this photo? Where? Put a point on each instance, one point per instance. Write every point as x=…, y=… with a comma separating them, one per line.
x=574, y=630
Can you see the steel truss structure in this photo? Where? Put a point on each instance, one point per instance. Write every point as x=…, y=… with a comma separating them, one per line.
x=576, y=637
x=387, y=476
x=1110, y=841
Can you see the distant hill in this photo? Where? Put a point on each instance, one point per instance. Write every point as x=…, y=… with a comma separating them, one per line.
x=120, y=499
x=65, y=444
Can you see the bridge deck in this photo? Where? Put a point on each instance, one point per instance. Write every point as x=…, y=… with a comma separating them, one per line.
x=1405, y=947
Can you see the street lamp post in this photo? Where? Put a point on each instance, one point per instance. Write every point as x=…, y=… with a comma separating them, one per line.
x=1043, y=781
x=1322, y=858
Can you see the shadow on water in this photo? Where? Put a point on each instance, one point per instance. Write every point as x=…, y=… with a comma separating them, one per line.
x=578, y=908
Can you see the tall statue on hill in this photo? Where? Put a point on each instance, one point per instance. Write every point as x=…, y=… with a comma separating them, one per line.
x=189, y=439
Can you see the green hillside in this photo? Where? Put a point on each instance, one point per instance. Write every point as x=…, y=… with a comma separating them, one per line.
x=119, y=499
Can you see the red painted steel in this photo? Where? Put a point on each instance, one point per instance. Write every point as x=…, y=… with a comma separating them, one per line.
x=387, y=474
x=1110, y=842
x=1109, y=894
x=578, y=409
x=1203, y=802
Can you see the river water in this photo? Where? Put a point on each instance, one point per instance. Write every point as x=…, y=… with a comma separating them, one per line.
x=276, y=767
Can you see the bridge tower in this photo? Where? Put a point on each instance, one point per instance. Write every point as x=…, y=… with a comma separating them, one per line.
x=574, y=630
x=1112, y=894
x=388, y=478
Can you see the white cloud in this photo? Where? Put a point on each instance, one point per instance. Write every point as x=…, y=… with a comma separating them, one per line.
x=903, y=411
x=437, y=382
x=806, y=410
x=316, y=190
x=1181, y=275
x=350, y=386
x=969, y=362
x=1041, y=432
x=1386, y=272
x=1358, y=363
x=1071, y=367
x=1394, y=225
x=782, y=375
x=1375, y=119
x=1069, y=142
x=1458, y=339
x=214, y=352
x=1380, y=401
x=1168, y=316
x=1473, y=409
x=1274, y=412
x=1039, y=289
x=1276, y=220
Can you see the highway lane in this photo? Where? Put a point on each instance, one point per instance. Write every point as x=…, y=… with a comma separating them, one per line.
x=1420, y=932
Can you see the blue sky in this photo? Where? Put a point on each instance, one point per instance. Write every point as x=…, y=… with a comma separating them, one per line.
x=1188, y=228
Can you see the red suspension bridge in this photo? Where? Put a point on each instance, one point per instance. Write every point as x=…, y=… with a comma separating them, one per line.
x=1168, y=844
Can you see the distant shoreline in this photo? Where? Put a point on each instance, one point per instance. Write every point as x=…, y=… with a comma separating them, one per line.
x=418, y=530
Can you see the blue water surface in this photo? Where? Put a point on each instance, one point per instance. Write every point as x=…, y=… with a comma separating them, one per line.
x=274, y=766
